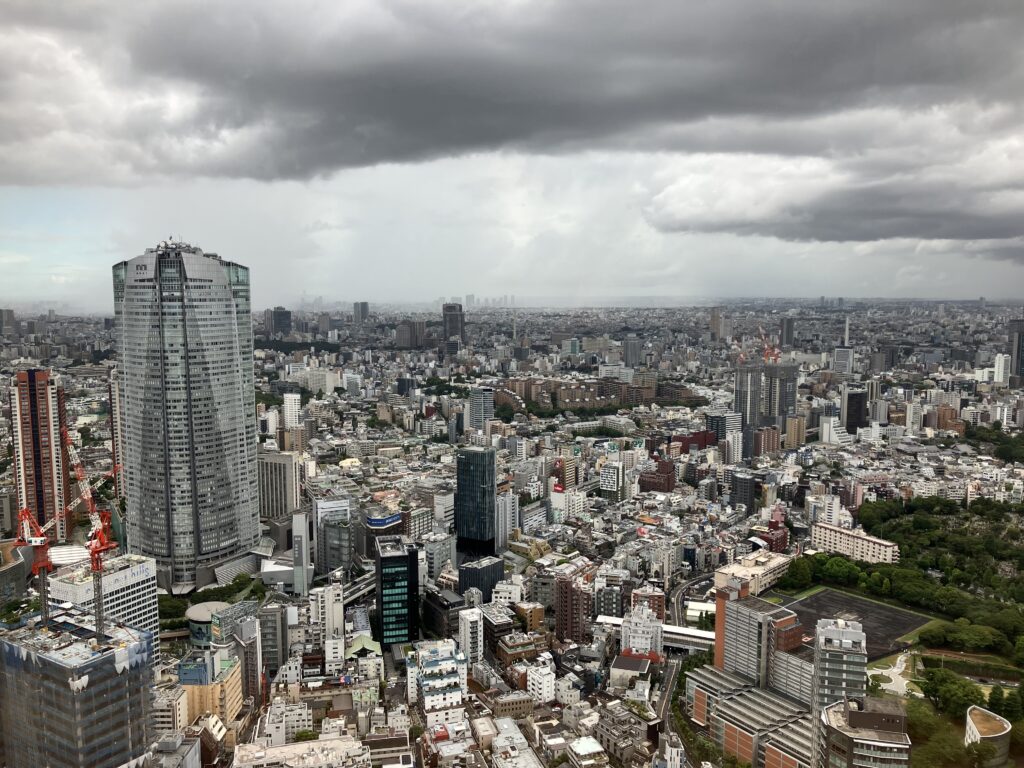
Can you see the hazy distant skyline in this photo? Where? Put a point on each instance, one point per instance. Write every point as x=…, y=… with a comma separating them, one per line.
x=407, y=150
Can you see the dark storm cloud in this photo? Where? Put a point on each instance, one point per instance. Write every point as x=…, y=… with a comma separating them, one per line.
x=911, y=109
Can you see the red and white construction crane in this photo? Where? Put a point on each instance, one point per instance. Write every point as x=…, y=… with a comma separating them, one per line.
x=101, y=540
x=771, y=352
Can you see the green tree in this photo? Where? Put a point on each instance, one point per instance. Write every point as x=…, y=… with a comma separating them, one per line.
x=1012, y=709
x=950, y=693
x=996, y=699
x=839, y=570
x=798, y=576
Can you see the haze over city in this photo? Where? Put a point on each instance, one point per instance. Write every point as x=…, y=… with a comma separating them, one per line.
x=402, y=150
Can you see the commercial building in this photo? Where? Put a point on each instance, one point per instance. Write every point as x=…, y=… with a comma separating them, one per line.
x=483, y=574
x=475, y=492
x=761, y=570
x=41, y=465
x=343, y=751
x=360, y=312
x=277, y=321
x=184, y=348
x=853, y=543
x=398, y=590
x=865, y=731
x=1016, y=333
x=280, y=483
x=453, y=322
x=840, y=668
x=71, y=700
x=129, y=590
x=213, y=683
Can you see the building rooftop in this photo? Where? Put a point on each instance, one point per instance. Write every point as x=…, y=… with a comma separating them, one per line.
x=82, y=573
x=988, y=723
x=70, y=638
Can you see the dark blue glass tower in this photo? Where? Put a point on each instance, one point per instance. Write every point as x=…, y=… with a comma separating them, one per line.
x=398, y=590
x=475, y=493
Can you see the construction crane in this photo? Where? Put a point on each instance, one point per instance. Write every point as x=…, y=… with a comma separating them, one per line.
x=31, y=534
x=771, y=352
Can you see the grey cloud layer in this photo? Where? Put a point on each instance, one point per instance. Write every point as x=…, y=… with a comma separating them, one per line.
x=902, y=118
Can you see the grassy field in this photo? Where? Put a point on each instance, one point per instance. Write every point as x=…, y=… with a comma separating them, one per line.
x=911, y=637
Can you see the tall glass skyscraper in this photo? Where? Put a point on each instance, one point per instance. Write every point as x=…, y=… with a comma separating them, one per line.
x=184, y=337
x=398, y=590
x=475, y=493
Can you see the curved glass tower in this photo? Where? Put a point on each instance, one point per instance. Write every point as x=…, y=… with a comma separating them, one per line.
x=184, y=336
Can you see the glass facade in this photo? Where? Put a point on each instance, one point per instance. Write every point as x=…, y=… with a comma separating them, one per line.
x=188, y=409
x=475, y=500
x=398, y=592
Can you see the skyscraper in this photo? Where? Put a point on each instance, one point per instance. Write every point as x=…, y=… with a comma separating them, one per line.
x=453, y=322
x=41, y=464
x=116, y=430
x=398, y=590
x=747, y=402
x=1016, y=333
x=780, y=393
x=854, y=408
x=277, y=321
x=360, y=312
x=747, y=394
x=475, y=493
x=481, y=407
x=787, y=331
x=631, y=349
x=184, y=336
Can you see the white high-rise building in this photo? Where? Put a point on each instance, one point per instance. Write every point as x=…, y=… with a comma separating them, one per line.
x=471, y=634
x=292, y=406
x=1002, y=369
x=642, y=630
x=481, y=404
x=184, y=348
x=129, y=590
x=506, y=511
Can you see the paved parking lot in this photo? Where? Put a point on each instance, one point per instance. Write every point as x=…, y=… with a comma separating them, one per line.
x=882, y=624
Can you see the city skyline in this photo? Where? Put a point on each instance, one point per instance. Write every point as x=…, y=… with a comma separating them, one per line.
x=865, y=150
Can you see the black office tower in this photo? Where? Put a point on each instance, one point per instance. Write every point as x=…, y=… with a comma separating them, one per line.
x=398, y=590
x=483, y=574
x=475, y=492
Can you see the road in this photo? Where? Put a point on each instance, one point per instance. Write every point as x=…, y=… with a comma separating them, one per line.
x=676, y=611
x=897, y=683
x=665, y=703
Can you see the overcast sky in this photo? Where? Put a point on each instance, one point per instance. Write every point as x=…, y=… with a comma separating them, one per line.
x=404, y=150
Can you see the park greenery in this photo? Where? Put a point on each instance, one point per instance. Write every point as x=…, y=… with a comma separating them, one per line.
x=172, y=608
x=958, y=565
x=1003, y=446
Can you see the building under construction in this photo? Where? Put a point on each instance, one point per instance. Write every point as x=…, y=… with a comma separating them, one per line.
x=70, y=699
